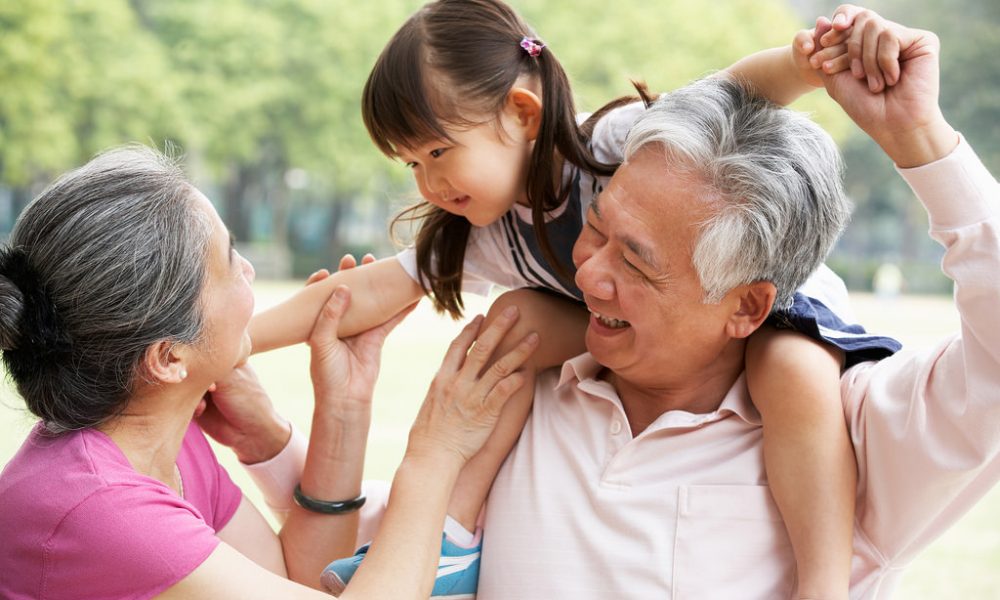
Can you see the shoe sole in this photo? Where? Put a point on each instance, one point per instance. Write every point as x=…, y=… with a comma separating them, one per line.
x=332, y=582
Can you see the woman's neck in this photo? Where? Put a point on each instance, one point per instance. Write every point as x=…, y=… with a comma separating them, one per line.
x=150, y=431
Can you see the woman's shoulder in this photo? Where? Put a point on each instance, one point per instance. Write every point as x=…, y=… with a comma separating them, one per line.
x=51, y=474
x=76, y=497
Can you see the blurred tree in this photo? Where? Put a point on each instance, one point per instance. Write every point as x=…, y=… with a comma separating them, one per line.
x=888, y=225
x=78, y=77
x=667, y=44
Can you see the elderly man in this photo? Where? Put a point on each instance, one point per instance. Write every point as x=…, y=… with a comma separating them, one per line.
x=639, y=473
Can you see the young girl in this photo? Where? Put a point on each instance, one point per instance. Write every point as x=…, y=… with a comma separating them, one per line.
x=482, y=113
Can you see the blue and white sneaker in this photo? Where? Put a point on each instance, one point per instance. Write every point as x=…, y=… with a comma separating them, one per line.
x=457, y=574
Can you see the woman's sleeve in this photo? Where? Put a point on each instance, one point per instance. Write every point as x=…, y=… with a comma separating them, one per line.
x=125, y=541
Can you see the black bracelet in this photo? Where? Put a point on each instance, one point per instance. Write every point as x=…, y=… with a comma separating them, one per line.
x=325, y=507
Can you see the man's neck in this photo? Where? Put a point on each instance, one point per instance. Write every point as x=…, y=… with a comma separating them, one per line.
x=698, y=393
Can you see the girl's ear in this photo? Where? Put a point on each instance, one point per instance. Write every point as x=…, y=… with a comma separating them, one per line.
x=165, y=362
x=754, y=302
x=525, y=107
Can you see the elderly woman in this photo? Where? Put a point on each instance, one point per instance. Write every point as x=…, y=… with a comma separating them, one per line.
x=122, y=302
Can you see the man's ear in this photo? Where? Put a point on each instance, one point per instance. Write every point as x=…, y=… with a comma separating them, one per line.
x=165, y=362
x=753, y=304
x=525, y=108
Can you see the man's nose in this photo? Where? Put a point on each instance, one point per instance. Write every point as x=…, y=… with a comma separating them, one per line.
x=593, y=278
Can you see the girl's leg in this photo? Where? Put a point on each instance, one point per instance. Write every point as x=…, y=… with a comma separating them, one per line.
x=795, y=384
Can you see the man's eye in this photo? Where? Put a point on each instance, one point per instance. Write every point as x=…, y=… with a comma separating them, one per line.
x=631, y=267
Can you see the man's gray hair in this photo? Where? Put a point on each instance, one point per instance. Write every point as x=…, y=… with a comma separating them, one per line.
x=778, y=175
x=116, y=254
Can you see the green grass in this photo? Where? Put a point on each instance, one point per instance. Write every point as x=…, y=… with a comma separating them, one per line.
x=962, y=564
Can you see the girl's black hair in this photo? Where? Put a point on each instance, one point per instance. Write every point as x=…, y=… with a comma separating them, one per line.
x=468, y=53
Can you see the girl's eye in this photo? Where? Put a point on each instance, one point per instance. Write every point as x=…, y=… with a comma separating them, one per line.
x=435, y=153
x=411, y=165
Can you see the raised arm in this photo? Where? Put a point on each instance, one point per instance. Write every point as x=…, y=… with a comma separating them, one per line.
x=783, y=74
x=380, y=290
x=926, y=425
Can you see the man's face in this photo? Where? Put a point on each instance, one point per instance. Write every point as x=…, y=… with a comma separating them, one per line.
x=648, y=322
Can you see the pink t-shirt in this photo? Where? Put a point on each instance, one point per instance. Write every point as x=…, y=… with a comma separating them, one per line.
x=77, y=521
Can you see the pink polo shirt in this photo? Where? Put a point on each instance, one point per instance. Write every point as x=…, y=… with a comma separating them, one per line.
x=582, y=510
x=79, y=522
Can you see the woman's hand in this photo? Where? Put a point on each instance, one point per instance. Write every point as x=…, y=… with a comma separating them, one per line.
x=237, y=413
x=464, y=402
x=346, y=369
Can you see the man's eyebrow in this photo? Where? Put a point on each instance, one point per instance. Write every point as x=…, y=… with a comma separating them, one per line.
x=645, y=253
x=594, y=205
x=642, y=251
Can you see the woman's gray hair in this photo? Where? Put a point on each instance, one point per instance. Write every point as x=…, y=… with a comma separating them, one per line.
x=778, y=174
x=115, y=254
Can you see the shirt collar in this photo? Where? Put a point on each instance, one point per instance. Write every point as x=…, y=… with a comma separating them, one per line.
x=583, y=368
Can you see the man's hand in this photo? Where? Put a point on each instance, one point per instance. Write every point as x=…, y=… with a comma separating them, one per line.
x=905, y=118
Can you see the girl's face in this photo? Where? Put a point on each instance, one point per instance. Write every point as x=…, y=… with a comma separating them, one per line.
x=479, y=174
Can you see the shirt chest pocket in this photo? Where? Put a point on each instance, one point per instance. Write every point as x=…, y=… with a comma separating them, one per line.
x=730, y=543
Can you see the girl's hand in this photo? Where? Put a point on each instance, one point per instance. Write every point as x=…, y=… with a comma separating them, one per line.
x=806, y=47
x=463, y=403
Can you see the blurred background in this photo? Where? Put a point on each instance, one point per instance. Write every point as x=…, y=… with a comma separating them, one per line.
x=262, y=99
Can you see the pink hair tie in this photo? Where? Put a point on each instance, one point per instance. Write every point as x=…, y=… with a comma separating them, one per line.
x=532, y=47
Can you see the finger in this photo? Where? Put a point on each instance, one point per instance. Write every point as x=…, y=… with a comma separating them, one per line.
x=855, y=46
x=819, y=59
x=509, y=363
x=845, y=15
x=328, y=322
x=347, y=261
x=503, y=391
x=804, y=41
x=458, y=348
x=319, y=275
x=869, y=56
x=836, y=65
x=827, y=35
x=368, y=259
x=488, y=340
x=888, y=56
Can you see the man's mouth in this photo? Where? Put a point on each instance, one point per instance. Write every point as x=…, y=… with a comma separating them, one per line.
x=610, y=322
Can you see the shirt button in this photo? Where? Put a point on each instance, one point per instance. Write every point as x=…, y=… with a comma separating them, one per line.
x=616, y=427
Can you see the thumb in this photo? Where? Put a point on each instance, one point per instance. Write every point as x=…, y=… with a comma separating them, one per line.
x=328, y=321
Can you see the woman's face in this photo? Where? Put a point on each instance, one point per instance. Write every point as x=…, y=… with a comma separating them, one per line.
x=227, y=300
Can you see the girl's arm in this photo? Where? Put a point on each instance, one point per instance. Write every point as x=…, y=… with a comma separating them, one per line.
x=380, y=290
x=783, y=74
